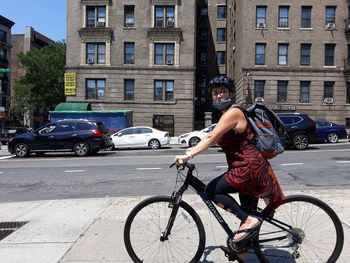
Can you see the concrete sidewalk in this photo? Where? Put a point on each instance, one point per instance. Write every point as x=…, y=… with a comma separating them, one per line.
x=91, y=230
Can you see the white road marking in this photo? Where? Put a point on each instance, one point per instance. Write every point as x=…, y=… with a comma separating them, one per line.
x=155, y=168
x=221, y=166
x=288, y=164
x=343, y=161
x=74, y=171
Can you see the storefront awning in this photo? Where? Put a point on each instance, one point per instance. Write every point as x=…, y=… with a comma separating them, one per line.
x=73, y=106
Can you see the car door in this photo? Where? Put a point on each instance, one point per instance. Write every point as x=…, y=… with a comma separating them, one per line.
x=44, y=138
x=124, y=138
x=65, y=135
x=142, y=136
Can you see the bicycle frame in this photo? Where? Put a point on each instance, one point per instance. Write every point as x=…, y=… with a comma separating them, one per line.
x=199, y=187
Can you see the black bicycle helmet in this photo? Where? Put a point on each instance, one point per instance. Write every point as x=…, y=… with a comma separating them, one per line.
x=221, y=81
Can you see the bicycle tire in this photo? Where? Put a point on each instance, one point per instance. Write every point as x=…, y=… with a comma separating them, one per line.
x=301, y=212
x=147, y=221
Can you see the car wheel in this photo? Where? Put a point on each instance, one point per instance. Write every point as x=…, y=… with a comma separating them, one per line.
x=300, y=141
x=332, y=137
x=81, y=149
x=21, y=150
x=154, y=144
x=109, y=147
x=193, y=141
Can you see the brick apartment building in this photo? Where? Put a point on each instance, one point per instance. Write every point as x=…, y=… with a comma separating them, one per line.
x=135, y=55
x=156, y=57
x=5, y=67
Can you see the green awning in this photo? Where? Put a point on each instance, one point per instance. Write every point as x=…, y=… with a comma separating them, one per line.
x=73, y=106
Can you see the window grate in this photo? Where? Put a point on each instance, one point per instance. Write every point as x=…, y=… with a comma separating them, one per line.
x=7, y=228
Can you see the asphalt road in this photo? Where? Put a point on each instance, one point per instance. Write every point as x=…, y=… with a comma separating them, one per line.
x=147, y=172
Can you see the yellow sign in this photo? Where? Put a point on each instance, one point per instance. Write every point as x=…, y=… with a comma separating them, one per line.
x=70, y=84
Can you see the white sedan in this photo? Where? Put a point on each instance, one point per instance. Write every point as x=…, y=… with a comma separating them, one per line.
x=137, y=137
x=193, y=138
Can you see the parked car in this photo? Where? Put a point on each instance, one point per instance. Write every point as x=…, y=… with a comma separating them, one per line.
x=9, y=133
x=193, y=138
x=301, y=129
x=330, y=131
x=82, y=137
x=139, y=137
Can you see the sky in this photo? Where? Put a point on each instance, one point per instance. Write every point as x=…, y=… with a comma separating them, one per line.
x=48, y=17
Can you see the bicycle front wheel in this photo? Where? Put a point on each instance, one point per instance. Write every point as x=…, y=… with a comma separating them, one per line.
x=146, y=224
x=315, y=233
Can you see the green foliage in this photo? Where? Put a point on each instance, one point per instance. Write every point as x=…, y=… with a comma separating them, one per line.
x=42, y=86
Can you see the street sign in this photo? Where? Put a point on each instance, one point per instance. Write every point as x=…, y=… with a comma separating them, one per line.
x=70, y=84
x=5, y=70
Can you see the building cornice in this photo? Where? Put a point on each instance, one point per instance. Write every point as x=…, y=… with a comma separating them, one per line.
x=294, y=69
x=96, y=33
x=165, y=2
x=158, y=68
x=164, y=34
x=96, y=2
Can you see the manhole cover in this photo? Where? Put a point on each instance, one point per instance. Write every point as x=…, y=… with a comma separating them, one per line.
x=341, y=158
x=7, y=228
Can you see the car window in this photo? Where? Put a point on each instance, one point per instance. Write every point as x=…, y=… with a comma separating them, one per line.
x=290, y=119
x=65, y=127
x=128, y=131
x=47, y=129
x=143, y=130
x=83, y=126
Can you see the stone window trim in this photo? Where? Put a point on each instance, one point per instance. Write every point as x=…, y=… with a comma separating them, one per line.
x=83, y=55
x=166, y=2
x=176, y=54
x=97, y=4
x=153, y=14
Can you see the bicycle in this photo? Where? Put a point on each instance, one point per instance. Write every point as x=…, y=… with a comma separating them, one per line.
x=301, y=229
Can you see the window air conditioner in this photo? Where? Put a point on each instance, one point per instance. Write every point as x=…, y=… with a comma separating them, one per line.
x=170, y=23
x=330, y=25
x=90, y=61
x=170, y=62
x=328, y=100
x=261, y=25
x=101, y=24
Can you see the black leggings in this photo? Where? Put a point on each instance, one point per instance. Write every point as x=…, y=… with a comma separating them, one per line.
x=218, y=191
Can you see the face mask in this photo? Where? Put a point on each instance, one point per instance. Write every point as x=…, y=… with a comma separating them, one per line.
x=223, y=104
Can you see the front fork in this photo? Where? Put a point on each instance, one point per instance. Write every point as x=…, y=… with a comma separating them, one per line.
x=174, y=205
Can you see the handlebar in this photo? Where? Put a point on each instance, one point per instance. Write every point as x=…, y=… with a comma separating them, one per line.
x=190, y=166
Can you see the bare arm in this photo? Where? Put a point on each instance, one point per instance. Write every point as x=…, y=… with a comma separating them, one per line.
x=233, y=118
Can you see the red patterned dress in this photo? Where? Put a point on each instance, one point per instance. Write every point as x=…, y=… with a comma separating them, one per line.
x=248, y=171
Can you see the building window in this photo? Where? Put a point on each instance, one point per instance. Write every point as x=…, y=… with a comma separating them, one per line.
x=164, y=16
x=163, y=90
x=328, y=87
x=261, y=16
x=306, y=16
x=259, y=88
x=203, y=34
x=95, y=89
x=203, y=11
x=3, y=53
x=282, y=54
x=347, y=123
x=221, y=57
x=305, y=91
x=164, y=54
x=305, y=53
x=96, y=16
x=330, y=14
x=129, y=89
x=221, y=12
x=260, y=49
x=221, y=35
x=129, y=15
x=129, y=53
x=282, y=87
x=283, y=15
x=95, y=53
x=3, y=36
x=203, y=58
x=164, y=123
x=348, y=92
x=329, y=55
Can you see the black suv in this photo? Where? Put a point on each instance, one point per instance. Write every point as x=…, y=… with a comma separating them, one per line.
x=301, y=129
x=82, y=137
x=9, y=133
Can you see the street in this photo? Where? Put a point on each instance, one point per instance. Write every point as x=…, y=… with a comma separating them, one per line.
x=146, y=172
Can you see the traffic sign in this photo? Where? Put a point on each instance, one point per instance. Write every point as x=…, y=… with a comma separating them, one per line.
x=5, y=70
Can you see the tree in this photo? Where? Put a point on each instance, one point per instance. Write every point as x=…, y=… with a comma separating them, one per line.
x=42, y=86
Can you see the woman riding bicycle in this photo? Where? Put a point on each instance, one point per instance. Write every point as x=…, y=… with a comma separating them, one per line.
x=248, y=174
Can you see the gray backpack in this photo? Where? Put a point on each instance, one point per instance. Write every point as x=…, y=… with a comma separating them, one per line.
x=270, y=133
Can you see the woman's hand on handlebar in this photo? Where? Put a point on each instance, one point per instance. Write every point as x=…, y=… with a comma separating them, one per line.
x=180, y=160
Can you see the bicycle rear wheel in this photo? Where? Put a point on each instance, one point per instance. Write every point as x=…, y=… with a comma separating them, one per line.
x=148, y=220
x=316, y=233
